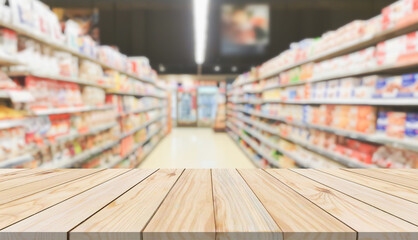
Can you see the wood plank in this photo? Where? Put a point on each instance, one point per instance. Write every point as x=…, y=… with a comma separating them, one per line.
x=54, y=223
x=37, y=175
x=239, y=215
x=12, y=194
x=9, y=170
x=187, y=212
x=22, y=208
x=407, y=173
x=383, y=186
x=127, y=216
x=368, y=221
x=388, y=177
x=396, y=206
x=297, y=217
x=16, y=174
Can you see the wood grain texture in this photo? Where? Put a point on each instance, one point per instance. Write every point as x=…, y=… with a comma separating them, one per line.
x=4, y=171
x=127, y=216
x=22, y=208
x=389, y=177
x=239, y=215
x=36, y=175
x=61, y=177
x=208, y=204
x=383, y=186
x=368, y=221
x=297, y=217
x=396, y=206
x=406, y=173
x=187, y=212
x=54, y=223
x=15, y=174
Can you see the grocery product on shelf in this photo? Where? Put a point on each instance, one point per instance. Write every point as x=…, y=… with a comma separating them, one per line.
x=350, y=95
x=65, y=101
x=8, y=42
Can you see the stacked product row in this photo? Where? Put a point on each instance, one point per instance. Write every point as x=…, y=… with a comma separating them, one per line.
x=65, y=101
x=69, y=140
x=350, y=96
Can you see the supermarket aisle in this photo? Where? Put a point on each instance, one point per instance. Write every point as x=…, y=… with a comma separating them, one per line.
x=197, y=148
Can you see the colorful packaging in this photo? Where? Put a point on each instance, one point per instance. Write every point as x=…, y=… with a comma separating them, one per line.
x=409, y=86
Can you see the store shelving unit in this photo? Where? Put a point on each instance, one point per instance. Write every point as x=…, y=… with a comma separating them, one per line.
x=351, y=134
x=264, y=127
x=58, y=78
x=154, y=90
x=96, y=150
x=136, y=94
x=235, y=136
x=236, y=98
x=405, y=26
x=134, y=149
x=55, y=111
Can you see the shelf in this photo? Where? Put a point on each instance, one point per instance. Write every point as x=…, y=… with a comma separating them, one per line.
x=358, y=101
x=134, y=149
x=16, y=161
x=89, y=153
x=374, y=138
x=334, y=156
x=256, y=148
x=404, y=27
x=135, y=94
x=80, y=157
x=92, y=131
x=149, y=151
x=59, y=78
x=70, y=110
x=63, y=47
x=298, y=160
x=140, y=110
x=386, y=69
x=8, y=61
x=141, y=127
x=10, y=123
x=252, y=158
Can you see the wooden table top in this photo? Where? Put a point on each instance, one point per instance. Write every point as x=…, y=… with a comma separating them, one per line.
x=208, y=204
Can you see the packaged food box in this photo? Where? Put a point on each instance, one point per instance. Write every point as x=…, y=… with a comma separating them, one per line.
x=388, y=87
x=409, y=86
x=411, y=126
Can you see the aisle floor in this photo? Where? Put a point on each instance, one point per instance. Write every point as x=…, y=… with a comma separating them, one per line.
x=197, y=148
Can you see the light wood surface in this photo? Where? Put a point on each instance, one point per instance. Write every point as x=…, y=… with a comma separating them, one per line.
x=296, y=216
x=368, y=219
x=236, y=221
x=127, y=216
x=22, y=208
x=383, y=186
x=396, y=206
x=81, y=204
x=4, y=171
x=15, y=174
x=187, y=212
x=388, y=176
x=35, y=186
x=67, y=215
x=19, y=179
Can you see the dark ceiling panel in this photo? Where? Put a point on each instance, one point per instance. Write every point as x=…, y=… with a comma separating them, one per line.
x=162, y=30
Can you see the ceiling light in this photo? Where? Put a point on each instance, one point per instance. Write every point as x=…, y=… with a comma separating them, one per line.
x=161, y=68
x=217, y=68
x=234, y=69
x=200, y=12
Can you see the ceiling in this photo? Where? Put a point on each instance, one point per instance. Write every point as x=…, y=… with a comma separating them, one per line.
x=162, y=30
